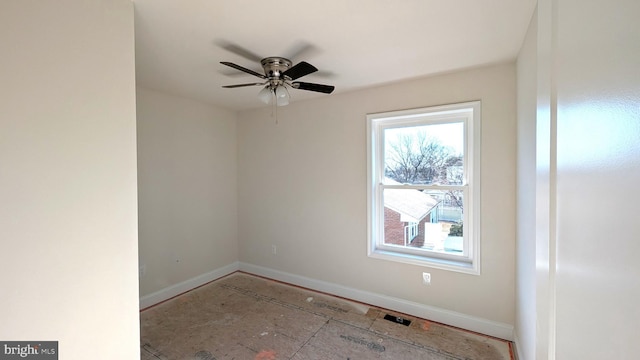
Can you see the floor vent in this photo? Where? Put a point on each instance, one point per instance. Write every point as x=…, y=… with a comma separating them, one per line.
x=397, y=320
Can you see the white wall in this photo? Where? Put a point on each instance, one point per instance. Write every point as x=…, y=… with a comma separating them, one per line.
x=525, y=325
x=187, y=180
x=302, y=187
x=587, y=170
x=597, y=82
x=68, y=223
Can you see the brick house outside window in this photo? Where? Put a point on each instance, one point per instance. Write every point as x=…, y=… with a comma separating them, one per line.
x=406, y=215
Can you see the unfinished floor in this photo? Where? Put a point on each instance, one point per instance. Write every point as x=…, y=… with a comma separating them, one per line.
x=244, y=317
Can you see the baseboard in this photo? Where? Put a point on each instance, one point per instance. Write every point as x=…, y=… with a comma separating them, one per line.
x=516, y=347
x=182, y=287
x=468, y=322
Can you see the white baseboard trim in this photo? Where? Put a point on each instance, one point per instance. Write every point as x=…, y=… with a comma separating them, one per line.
x=179, y=288
x=516, y=347
x=468, y=322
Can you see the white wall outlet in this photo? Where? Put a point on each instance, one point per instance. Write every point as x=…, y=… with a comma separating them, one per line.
x=274, y=249
x=426, y=278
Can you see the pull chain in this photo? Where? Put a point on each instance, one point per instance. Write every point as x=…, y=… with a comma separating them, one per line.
x=274, y=108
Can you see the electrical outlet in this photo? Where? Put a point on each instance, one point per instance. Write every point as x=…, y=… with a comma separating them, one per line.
x=142, y=270
x=274, y=250
x=426, y=278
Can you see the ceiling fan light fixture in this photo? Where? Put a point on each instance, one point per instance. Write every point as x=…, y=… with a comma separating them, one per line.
x=265, y=95
x=282, y=95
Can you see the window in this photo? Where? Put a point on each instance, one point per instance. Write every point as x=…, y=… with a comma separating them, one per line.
x=423, y=186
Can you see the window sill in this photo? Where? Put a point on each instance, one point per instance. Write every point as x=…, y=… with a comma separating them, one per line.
x=472, y=268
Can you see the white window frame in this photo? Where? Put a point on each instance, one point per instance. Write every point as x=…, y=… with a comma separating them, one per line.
x=470, y=114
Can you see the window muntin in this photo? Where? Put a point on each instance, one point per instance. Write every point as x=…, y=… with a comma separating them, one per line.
x=424, y=168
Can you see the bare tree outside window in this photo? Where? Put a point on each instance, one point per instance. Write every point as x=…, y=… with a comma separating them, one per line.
x=417, y=158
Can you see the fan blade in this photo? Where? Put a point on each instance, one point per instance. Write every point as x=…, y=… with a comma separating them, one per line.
x=238, y=67
x=242, y=85
x=299, y=70
x=239, y=50
x=327, y=89
x=300, y=49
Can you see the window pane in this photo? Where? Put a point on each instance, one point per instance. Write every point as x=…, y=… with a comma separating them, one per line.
x=424, y=219
x=425, y=154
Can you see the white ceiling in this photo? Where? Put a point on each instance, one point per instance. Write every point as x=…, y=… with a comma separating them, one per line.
x=354, y=43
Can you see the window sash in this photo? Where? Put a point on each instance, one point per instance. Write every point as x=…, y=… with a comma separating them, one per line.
x=380, y=240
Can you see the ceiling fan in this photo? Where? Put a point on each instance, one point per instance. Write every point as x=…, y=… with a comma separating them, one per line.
x=278, y=77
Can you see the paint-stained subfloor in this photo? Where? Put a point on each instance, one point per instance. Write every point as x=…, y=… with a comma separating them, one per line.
x=244, y=317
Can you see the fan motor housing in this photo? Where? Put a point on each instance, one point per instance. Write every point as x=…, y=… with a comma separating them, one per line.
x=274, y=66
